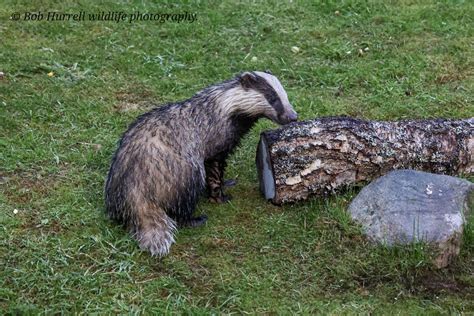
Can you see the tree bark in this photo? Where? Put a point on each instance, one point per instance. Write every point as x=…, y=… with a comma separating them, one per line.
x=318, y=157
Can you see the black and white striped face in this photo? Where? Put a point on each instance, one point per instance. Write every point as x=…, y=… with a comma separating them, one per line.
x=275, y=102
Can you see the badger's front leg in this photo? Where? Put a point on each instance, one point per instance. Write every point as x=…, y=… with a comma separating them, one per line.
x=215, y=181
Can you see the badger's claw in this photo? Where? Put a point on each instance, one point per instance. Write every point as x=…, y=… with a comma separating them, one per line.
x=230, y=183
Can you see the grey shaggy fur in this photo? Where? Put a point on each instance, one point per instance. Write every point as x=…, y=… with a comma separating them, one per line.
x=169, y=155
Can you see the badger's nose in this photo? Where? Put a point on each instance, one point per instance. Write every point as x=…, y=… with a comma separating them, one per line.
x=292, y=116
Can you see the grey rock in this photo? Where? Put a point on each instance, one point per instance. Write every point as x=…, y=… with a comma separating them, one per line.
x=407, y=206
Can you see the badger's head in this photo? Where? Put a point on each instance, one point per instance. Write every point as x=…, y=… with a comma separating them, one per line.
x=263, y=95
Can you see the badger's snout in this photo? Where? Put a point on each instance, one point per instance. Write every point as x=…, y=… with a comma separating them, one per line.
x=292, y=117
x=287, y=117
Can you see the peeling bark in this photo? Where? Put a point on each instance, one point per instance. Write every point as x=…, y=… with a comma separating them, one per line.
x=320, y=156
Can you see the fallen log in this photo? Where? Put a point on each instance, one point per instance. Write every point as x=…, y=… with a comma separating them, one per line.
x=320, y=156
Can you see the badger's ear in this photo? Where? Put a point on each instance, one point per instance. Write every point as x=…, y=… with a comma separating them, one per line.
x=247, y=79
x=268, y=72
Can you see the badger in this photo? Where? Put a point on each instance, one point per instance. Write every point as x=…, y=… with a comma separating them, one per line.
x=169, y=156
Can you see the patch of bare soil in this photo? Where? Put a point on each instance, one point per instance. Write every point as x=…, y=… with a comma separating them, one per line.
x=139, y=100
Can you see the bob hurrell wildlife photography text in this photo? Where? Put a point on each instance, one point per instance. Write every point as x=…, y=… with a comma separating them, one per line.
x=250, y=157
x=115, y=16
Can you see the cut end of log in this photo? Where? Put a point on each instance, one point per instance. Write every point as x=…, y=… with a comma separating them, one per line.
x=265, y=170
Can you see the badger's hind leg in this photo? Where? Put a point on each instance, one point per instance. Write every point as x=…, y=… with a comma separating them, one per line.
x=182, y=209
x=186, y=207
x=154, y=230
x=215, y=181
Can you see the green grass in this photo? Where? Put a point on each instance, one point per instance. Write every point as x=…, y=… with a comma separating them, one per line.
x=57, y=135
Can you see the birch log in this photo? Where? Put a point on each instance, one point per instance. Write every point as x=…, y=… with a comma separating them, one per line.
x=320, y=156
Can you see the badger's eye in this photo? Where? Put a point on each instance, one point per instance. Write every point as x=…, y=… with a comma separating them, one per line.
x=272, y=99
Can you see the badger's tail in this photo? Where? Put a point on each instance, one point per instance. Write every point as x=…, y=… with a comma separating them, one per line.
x=154, y=231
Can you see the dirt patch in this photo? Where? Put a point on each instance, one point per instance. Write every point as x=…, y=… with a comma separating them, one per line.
x=449, y=72
x=135, y=99
x=439, y=285
x=45, y=226
x=427, y=283
x=24, y=191
x=448, y=77
x=22, y=187
x=433, y=284
x=221, y=244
